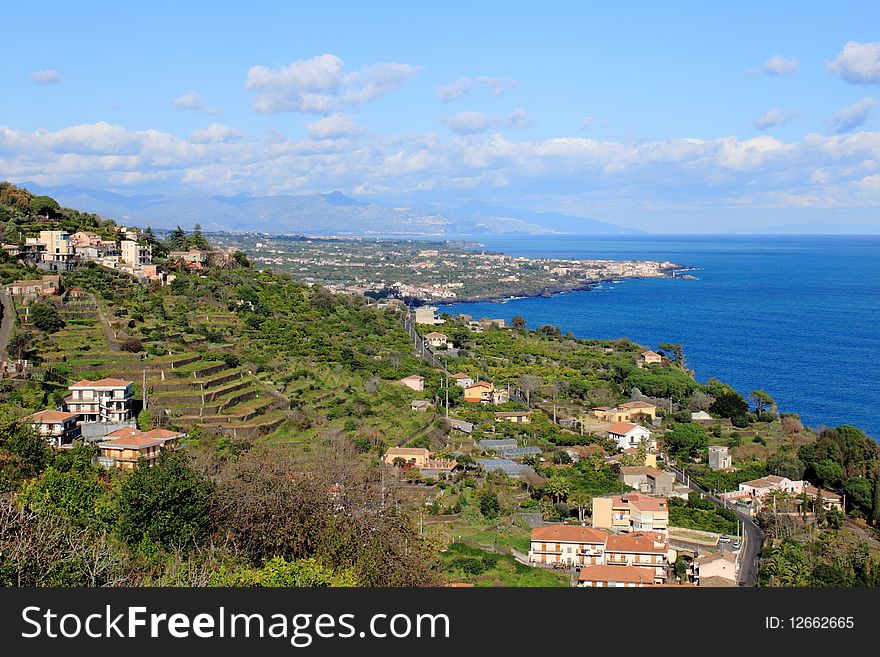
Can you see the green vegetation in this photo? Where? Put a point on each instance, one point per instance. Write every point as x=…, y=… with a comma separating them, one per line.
x=701, y=514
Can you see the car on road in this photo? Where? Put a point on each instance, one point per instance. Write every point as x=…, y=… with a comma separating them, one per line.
x=724, y=539
x=736, y=545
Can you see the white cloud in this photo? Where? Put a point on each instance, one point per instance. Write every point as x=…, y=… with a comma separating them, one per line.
x=216, y=133
x=852, y=116
x=320, y=85
x=469, y=123
x=779, y=65
x=771, y=119
x=858, y=63
x=463, y=85
x=472, y=122
x=816, y=171
x=498, y=86
x=519, y=119
x=449, y=92
x=192, y=101
x=45, y=78
x=333, y=127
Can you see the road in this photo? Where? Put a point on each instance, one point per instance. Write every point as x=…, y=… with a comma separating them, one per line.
x=8, y=319
x=753, y=537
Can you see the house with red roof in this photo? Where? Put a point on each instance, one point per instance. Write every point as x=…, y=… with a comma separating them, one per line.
x=105, y=400
x=127, y=447
x=628, y=435
x=57, y=427
x=572, y=545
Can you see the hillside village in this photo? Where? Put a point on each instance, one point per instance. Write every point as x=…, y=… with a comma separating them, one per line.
x=487, y=453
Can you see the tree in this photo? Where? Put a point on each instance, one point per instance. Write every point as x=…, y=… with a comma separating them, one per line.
x=557, y=487
x=728, y=402
x=686, y=440
x=176, y=240
x=489, y=505
x=762, y=402
x=197, y=240
x=827, y=472
x=518, y=322
x=45, y=317
x=786, y=464
x=44, y=205
x=168, y=503
x=529, y=383
x=581, y=501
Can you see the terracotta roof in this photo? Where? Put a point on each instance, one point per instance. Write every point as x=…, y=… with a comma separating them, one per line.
x=714, y=556
x=716, y=581
x=162, y=433
x=645, y=503
x=481, y=384
x=124, y=432
x=640, y=542
x=826, y=494
x=621, y=428
x=460, y=375
x=640, y=469
x=407, y=451
x=434, y=334
x=51, y=416
x=132, y=442
x=764, y=482
x=109, y=382
x=628, y=574
x=636, y=404
x=569, y=533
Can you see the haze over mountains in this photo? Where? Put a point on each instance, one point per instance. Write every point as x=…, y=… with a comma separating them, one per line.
x=318, y=214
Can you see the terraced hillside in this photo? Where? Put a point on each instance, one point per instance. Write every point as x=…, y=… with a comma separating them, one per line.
x=184, y=387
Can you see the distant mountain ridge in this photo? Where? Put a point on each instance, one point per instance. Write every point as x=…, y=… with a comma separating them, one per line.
x=333, y=213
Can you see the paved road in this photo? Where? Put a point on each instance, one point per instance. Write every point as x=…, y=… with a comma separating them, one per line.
x=752, y=540
x=7, y=322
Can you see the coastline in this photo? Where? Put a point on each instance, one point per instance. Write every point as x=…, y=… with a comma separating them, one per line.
x=555, y=290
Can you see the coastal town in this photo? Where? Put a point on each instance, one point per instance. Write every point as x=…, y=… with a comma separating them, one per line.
x=519, y=457
x=441, y=272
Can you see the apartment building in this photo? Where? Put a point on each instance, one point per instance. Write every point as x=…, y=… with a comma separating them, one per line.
x=571, y=545
x=124, y=448
x=135, y=255
x=631, y=512
x=105, y=400
x=641, y=549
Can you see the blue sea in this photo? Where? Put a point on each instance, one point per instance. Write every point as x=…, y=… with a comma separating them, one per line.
x=796, y=315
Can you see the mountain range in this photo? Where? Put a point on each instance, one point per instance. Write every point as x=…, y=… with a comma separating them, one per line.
x=318, y=214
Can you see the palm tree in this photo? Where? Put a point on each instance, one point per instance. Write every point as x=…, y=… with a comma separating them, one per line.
x=582, y=501
x=557, y=488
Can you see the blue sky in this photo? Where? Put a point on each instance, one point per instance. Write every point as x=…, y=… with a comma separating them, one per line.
x=681, y=118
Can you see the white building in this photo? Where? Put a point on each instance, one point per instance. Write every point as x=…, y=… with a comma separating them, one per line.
x=106, y=400
x=628, y=435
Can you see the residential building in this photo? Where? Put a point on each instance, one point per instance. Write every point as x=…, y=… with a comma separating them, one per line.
x=106, y=400
x=500, y=396
x=414, y=382
x=125, y=447
x=517, y=417
x=648, y=480
x=194, y=259
x=830, y=499
x=648, y=357
x=415, y=455
x=719, y=458
x=615, y=577
x=628, y=435
x=44, y=286
x=644, y=548
x=462, y=380
x=420, y=405
x=760, y=488
x=435, y=339
x=631, y=512
x=626, y=412
x=648, y=459
x=57, y=427
x=713, y=564
x=427, y=315
x=479, y=393
x=701, y=416
x=59, y=251
x=567, y=544
x=135, y=255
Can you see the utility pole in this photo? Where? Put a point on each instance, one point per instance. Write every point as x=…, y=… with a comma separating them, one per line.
x=144, y=389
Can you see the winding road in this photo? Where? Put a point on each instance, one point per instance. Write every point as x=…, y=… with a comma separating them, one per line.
x=753, y=537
